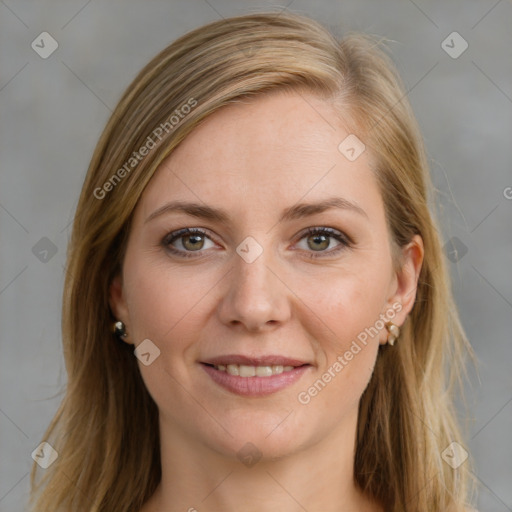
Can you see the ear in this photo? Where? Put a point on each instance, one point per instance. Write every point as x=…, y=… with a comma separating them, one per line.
x=117, y=301
x=405, y=280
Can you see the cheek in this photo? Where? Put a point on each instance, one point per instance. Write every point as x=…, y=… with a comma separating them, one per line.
x=344, y=303
x=162, y=298
x=344, y=313
x=168, y=305
x=165, y=306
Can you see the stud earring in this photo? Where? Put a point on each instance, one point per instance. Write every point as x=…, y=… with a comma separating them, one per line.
x=119, y=329
x=394, y=332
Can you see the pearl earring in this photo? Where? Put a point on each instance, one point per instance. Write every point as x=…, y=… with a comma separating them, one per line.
x=119, y=329
x=394, y=332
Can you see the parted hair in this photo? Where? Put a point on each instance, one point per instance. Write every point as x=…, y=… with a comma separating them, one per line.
x=106, y=428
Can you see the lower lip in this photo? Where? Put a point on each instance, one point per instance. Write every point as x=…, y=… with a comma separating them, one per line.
x=255, y=386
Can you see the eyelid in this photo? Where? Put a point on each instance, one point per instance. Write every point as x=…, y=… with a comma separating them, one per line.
x=174, y=235
x=335, y=233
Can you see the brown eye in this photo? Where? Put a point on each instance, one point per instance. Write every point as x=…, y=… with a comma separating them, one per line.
x=186, y=241
x=318, y=240
x=192, y=242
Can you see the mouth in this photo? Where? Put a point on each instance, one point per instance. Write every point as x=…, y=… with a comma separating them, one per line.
x=254, y=376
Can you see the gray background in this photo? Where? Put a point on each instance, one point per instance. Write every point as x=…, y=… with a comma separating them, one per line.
x=52, y=113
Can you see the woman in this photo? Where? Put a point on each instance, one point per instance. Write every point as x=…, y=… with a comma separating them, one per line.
x=257, y=315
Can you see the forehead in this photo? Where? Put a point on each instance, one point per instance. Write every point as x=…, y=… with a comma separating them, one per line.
x=275, y=149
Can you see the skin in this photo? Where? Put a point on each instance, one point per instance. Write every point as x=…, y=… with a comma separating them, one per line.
x=255, y=159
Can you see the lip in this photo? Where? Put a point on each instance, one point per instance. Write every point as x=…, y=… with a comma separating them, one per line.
x=263, y=360
x=255, y=386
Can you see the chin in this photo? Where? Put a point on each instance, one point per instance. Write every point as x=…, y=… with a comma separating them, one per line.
x=269, y=435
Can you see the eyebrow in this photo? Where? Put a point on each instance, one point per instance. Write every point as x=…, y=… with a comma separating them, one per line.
x=294, y=212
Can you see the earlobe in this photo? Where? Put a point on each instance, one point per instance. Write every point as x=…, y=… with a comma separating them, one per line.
x=119, y=310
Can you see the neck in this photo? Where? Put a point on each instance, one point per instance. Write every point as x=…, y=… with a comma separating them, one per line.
x=319, y=477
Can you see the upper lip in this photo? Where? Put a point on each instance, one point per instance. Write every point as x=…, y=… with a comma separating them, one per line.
x=263, y=360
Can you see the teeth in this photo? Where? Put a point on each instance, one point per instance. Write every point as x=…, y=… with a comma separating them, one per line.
x=243, y=370
x=263, y=371
x=233, y=369
x=246, y=371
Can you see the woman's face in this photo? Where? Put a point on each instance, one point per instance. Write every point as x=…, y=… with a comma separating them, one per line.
x=253, y=286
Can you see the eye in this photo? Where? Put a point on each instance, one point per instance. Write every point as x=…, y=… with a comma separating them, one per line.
x=319, y=240
x=186, y=241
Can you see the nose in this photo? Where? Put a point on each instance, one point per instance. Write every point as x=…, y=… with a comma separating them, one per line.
x=257, y=297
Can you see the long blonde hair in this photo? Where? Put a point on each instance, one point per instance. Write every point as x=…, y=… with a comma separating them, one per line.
x=106, y=429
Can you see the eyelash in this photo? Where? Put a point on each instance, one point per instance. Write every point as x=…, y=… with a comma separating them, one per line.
x=345, y=241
